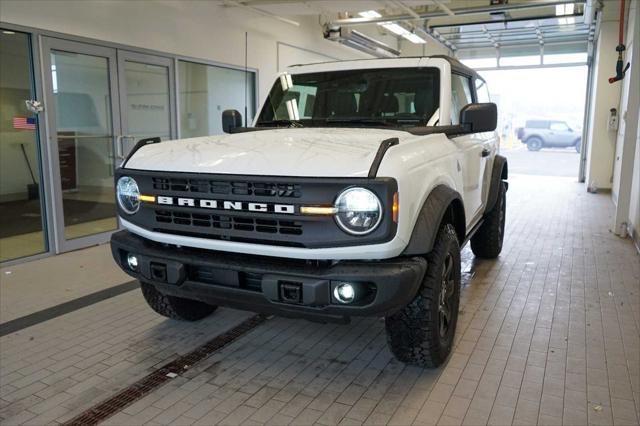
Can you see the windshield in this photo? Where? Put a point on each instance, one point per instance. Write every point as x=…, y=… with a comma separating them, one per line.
x=388, y=97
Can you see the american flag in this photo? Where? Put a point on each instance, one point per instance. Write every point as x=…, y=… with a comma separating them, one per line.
x=24, y=123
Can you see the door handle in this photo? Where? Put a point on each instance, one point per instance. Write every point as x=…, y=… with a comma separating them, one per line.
x=486, y=152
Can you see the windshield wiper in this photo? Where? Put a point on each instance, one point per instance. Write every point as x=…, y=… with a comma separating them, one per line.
x=281, y=122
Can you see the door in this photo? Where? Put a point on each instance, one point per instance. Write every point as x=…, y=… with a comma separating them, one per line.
x=471, y=146
x=146, y=91
x=22, y=212
x=560, y=134
x=80, y=82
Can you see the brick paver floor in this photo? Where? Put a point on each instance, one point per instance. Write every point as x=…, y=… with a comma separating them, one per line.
x=548, y=334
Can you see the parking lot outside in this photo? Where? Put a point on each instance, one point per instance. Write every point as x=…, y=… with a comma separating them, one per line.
x=546, y=162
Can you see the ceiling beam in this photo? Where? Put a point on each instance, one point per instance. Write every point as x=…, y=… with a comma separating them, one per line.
x=444, y=8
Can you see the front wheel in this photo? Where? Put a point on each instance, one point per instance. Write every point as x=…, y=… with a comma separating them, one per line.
x=175, y=307
x=487, y=241
x=578, y=146
x=422, y=332
x=534, y=144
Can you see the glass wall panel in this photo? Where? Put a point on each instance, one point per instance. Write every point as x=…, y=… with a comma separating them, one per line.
x=148, y=111
x=21, y=210
x=206, y=91
x=85, y=142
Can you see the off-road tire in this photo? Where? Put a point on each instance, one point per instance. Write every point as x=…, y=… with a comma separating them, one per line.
x=173, y=307
x=487, y=241
x=413, y=333
x=534, y=144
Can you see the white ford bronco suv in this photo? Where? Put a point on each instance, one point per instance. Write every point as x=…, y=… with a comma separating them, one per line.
x=351, y=195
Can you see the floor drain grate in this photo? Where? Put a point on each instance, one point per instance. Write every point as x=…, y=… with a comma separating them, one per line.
x=144, y=386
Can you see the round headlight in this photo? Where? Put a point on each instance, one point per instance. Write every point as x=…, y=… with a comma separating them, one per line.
x=359, y=211
x=128, y=194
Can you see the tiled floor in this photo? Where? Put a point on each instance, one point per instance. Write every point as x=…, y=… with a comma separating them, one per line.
x=29, y=287
x=548, y=334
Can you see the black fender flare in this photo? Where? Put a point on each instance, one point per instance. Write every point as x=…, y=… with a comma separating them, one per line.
x=439, y=202
x=499, y=173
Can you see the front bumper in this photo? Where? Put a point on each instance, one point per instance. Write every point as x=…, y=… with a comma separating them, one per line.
x=265, y=284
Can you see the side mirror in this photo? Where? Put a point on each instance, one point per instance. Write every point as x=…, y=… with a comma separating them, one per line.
x=231, y=119
x=477, y=118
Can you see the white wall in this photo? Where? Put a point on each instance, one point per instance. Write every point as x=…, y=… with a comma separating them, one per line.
x=626, y=182
x=634, y=204
x=602, y=141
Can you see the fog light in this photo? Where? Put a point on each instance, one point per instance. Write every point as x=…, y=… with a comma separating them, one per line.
x=344, y=293
x=132, y=261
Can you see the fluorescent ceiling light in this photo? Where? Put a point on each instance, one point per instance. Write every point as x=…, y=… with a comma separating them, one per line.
x=403, y=32
x=565, y=9
x=370, y=14
x=414, y=38
x=395, y=28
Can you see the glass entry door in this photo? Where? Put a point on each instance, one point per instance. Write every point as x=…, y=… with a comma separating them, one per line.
x=80, y=81
x=22, y=212
x=146, y=99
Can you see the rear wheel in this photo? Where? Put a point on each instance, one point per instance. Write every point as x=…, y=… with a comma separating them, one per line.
x=487, y=241
x=175, y=307
x=422, y=332
x=534, y=144
x=578, y=146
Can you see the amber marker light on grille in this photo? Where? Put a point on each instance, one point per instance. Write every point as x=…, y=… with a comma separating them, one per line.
x=147, y=198
x=318, y=210
x=395, y=210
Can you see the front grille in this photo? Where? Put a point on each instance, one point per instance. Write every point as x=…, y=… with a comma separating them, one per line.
x=207, y=215
x=206, y=186
x=238, y=223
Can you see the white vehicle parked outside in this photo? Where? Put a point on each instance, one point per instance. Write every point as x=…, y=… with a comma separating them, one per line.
x=351, y=195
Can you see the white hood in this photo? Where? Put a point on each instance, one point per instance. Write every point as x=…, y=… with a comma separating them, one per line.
x=328, y=152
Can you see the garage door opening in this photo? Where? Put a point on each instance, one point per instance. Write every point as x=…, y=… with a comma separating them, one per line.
x=541, y=112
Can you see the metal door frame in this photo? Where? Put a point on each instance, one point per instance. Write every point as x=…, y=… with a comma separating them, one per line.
x=56, y=209
x=125, y=55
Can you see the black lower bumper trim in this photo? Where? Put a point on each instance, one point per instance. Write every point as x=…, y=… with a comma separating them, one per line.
x=278, y=286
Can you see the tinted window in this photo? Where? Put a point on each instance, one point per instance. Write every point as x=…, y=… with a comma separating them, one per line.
x=537, y=124
x=391, y=97
x=460, y=95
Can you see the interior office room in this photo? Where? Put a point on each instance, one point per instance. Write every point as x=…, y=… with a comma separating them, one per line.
x=183, y=185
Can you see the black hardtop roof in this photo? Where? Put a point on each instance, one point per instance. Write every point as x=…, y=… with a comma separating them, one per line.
x=456, y=65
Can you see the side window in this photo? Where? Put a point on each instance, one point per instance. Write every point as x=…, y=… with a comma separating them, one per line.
x=559, y=127
x=482, y=91
x=460, y=95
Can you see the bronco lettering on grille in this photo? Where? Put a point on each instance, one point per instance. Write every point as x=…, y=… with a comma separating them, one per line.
x=226, y=205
